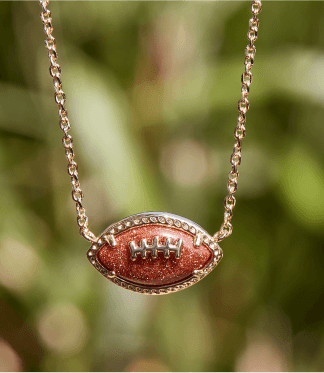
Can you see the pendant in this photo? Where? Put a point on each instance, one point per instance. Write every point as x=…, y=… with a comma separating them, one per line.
x=155, y=253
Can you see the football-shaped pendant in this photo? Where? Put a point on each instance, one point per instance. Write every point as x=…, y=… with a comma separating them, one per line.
x=155, y=253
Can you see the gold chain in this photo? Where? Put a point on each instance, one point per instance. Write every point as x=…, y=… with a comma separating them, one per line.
x=55, y=71
x=239, y=133
x=243, y=106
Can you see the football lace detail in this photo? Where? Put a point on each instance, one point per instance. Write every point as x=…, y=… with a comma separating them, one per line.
x=166, y=248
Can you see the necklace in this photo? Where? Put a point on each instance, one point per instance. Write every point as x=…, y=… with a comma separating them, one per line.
x=154, y=252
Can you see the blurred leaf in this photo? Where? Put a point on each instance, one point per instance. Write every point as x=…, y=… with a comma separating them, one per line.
x=101, y=115
x=184, y=334
x=302, y=187
x=25, y=121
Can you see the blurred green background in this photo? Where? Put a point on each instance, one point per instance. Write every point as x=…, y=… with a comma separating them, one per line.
x=152, y=91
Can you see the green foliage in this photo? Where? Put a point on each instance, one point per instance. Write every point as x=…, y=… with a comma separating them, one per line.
x=152, y=91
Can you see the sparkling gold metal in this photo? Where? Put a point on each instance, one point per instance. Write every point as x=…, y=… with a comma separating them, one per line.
x=226, y=228
x=59, y=95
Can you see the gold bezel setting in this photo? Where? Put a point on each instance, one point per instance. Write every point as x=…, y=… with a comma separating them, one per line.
x=165, y=219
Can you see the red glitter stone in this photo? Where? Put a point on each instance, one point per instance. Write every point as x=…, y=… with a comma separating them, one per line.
x=159, y=271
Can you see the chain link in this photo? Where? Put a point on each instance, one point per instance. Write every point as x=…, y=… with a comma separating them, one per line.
x=239, y=133
x=59, y=95
x=226, y=228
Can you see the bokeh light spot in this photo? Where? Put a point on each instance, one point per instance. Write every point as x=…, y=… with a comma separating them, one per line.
x=261, y=354
x=19, y=265
x=146, y=365
x=9, y=359
x=185, y=162
x=63, y=328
